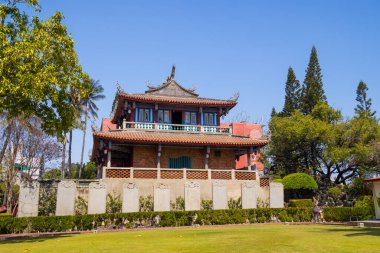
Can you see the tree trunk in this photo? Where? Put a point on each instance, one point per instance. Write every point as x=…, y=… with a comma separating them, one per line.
x=69, y=158
x=63, y=158
x=4, y=148
x=83, y=143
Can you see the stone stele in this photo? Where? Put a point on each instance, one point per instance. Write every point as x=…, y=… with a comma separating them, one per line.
x=161, y=197
x=130, y=198
x=66, y=194
x=219, y=195
x=276, y=195
x=192, y=196
x=28, y=199
x=249, y=195
x=97, y=195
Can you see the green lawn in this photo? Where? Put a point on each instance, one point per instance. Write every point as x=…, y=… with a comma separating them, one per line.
x=255, y=238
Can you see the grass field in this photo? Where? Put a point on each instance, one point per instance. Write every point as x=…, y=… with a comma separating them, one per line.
x=255, y=238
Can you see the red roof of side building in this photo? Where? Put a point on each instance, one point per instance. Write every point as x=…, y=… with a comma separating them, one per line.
x=372, y=179
x=107, y=125
x=181, y=138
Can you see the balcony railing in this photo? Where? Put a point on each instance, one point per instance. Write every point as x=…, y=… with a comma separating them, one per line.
x=184, y=174
x=175, y=127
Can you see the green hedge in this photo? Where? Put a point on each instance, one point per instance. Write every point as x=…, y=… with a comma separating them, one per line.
x=341, y=214
x=148, y=219
x=175, y=218
x=304, y=203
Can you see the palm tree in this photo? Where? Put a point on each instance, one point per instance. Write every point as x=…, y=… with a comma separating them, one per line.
x=90, y=109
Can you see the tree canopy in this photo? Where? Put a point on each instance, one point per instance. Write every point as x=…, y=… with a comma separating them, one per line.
x=39, y=68
x=363, y=108
x=292, y=94
x=312, y=89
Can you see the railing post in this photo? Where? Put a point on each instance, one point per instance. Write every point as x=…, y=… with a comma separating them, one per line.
x=233, y=174
x=209, y=174
x=104, y=172
x=124, y=123
x=184, y=173
x=158, y=173
x=131, y=171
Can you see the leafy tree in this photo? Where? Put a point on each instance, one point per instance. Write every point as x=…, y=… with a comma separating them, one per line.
x=39, y=68
x=363, y=108
x=312, y=89
x=322, y=144
x=90, y=110
x=52, y=174
x=292, y=94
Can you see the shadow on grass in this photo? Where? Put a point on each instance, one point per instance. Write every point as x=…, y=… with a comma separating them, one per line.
x=32, y=238
x=356, y=231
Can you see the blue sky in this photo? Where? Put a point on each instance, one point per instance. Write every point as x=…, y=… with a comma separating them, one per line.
x=225, y=46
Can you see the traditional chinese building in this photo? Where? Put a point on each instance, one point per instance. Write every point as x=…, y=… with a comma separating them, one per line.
x=170, y=132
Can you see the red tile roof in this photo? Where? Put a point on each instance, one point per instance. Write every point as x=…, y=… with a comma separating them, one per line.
x=183, y=139
x=178, y=100
x=107, y=125
x=148, y=98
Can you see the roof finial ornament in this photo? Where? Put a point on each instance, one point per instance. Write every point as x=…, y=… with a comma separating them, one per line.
x=235, y=96
x=173, y=73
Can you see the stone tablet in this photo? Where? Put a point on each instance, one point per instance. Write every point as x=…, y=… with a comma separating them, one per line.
x=219, y=195
x=97, y=195
x=161, y=198
x=130, y=198
x=66, y=194
x=28, y=199
x=192, y=196
x=276, y=195
x=249, y=195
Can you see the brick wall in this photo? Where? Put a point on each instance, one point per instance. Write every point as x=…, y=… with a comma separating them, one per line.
x=197, y=156
x=226, y=160
x=146, y=157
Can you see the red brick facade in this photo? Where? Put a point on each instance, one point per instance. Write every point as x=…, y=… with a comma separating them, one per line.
x=146, y=157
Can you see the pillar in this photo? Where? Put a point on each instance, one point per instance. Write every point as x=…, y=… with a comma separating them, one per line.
x=207, y=155
x=109, y=154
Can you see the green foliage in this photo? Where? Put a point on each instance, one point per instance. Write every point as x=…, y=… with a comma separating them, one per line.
x=81, y=206
x=292, y=94
x=278, y=180
x=47, y=200
x=234, y=203
x=262, y=203
x=113, y=204
x=52, y=174
x=175, y=218
x=365, y=201
x=146, y=203
x=206, y=204
x=312, y=89
x=89, y=171
x=178, y=205
x=363, y=108
x=39, y=69
x=297, y=181
x=335, y=193
x=301, y=203
x=147, y=219
x=341, y=214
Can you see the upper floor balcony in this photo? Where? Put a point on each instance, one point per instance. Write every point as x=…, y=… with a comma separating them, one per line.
x=166, y=127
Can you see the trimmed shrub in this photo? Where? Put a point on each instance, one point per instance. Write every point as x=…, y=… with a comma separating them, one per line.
x=299, y=186
x=113, y=204
x=278, y=180
x=303, y=203
x=341, y=214
x=178, y=205
x=297, y=181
